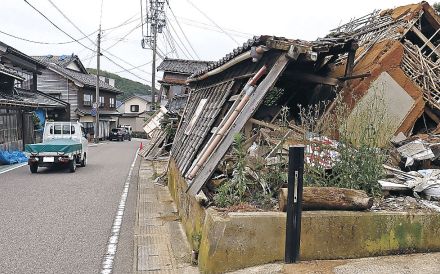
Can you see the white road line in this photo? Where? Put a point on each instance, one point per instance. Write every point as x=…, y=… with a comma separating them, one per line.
x=112, y=243
x=12, y=168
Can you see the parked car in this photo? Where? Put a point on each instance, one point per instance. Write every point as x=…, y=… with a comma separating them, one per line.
x=119, y=134
x=128, y=128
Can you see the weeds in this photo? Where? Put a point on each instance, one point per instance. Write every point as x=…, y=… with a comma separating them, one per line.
x=361, y=133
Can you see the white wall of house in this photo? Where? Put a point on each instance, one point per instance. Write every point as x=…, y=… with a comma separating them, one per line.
x=143, y=105
x=73, y=66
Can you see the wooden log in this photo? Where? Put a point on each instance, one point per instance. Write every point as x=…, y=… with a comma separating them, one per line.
x=329, y=198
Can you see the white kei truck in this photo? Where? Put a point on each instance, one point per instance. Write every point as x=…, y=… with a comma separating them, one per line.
x=64, y=143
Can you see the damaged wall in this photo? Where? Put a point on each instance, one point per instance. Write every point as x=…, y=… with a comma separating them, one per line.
x=385, y=57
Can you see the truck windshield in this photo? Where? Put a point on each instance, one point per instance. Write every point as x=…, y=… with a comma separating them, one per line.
x=62, y=129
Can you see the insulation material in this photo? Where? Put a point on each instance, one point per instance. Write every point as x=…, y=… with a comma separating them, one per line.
x=389, y=99
x=154, y=122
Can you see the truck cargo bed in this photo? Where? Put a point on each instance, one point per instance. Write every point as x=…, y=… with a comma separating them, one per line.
x=55, y=146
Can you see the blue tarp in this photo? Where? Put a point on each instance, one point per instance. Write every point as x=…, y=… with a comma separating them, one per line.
x=12, y=157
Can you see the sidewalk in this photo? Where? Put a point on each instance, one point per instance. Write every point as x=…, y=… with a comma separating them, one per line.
x=160, y=244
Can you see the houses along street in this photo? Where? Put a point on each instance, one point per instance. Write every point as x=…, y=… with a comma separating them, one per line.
x=60, y=222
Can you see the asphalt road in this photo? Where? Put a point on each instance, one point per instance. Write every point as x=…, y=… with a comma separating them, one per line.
x=60, y=222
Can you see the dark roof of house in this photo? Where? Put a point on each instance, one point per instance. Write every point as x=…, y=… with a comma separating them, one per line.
x=10, y=72
x=274, y=42
x=183, y=66
x=61, y=60
x=85, y=79
x=147, y=98
x=32, y=99
x=59, y=65
x=20, y=54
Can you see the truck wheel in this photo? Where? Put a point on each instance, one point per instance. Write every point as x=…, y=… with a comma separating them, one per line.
x=33, y=168
x=72, y=165
x=84, y=161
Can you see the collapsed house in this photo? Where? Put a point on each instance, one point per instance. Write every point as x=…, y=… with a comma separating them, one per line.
x=247, y=89
x=391, y=54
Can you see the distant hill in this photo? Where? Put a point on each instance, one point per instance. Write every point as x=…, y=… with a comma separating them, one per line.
x=129, y=87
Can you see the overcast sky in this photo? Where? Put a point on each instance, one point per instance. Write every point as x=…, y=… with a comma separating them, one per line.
x=241, y=19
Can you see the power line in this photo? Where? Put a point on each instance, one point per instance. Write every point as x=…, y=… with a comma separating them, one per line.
x=46, y=43
x=149, y=62
x=184, y=34
x=70, y=21
x=170, y=42
x=93, y=42
x=181, y=43
x=212, y=21
x=115, y=63
x=142, y=18
x=206, y=26
x=70, y=36
x=126, y=22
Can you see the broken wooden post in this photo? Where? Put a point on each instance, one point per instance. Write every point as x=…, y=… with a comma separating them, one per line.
x=329, y=198
x=294, y=201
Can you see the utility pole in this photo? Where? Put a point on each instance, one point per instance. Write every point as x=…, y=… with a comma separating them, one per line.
x=156, y=21
x=153, y=72
x=97, y=101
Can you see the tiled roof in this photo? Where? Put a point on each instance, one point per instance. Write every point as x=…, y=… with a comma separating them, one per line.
x=59, y=65
x=20, y=54
x=85, y=79
x=272, y=42
x=60, y=60
x=183, y=66
x=27, y=98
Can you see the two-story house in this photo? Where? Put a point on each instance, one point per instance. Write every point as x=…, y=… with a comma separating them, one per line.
x=134, y=111
x=175, y=73
x=66, y=78
x=20, y=101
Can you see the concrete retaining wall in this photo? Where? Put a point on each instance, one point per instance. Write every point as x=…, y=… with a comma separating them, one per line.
x=237, y=240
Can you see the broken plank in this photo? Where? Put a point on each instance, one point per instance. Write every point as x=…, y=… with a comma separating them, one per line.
x=265, y=124
x=425, y=40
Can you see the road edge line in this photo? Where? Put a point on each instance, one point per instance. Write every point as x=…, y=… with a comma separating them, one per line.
x=12, y=168
x=112, y=244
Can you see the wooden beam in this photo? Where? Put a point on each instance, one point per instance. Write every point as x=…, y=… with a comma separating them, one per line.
x=264, y=124
x=249, y=109
x=425, y=40
x=432, y=115
x=312, y=78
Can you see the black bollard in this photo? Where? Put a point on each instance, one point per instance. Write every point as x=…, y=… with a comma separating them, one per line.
x=294, y=203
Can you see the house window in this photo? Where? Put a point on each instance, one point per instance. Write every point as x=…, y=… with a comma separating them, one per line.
x=88, y=98
x=101, y=101
x=112, y=102
x=134, y=108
